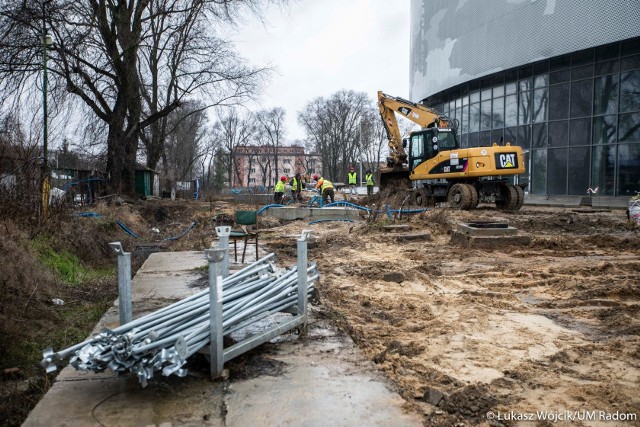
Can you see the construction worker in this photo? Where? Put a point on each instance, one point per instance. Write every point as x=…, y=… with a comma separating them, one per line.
x=352, y=179
x=296, y=187
x=370, y=182
x=326, y=190
x=279, y=190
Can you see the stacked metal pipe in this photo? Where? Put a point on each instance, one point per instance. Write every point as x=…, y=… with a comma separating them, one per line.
x=165, y=339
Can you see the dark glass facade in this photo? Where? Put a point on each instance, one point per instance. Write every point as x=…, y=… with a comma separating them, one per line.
x=577, y=116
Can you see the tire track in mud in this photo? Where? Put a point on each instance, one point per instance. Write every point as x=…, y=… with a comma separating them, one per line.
x=551, y=326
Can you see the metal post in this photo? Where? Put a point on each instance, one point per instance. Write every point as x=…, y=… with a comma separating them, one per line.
x=302, y=272
x=46, y=42
x=124, y=283
x=223, y=243
x=216, y=350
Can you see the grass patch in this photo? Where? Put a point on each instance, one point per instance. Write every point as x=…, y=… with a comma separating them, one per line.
x=67, y=266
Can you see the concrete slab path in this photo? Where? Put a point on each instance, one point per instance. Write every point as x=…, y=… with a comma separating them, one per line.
x=316, y=380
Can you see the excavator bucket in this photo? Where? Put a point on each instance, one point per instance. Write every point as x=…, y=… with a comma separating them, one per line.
x=394, y=177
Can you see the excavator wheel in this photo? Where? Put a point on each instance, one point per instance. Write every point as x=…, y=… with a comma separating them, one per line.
x=475, y=199
x=460, y=196
x=509, y=200
x=520, y=192
x=422, y=199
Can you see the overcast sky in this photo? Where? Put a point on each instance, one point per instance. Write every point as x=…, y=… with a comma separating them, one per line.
x=319, y=47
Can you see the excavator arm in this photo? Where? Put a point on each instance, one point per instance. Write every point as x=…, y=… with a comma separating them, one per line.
x=419, y=114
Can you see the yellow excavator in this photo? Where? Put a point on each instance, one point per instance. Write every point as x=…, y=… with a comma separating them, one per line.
x=439, y=168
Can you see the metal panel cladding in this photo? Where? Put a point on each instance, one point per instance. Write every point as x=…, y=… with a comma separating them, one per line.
x=454, y=41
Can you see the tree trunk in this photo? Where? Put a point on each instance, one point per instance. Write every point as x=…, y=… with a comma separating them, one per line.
x=121, y=162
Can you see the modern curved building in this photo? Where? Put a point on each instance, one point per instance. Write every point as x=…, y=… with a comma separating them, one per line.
x=561, y=79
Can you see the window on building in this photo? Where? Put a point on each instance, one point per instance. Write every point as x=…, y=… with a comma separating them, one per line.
x=497, y=136
x=524, y=137
x=559, y=134
x=578, y=176
x=541, y=81
x=252, y=180
x=607, y=67
x=511, y=136
x=485, y=139
x=604, y=130
x=474, y=118
x=629, y=128
x=539, y=135
x=511, y=110
x=559, y=76
x=525, y=104
x=580, y=132
x=287, y=170
x=538, y=171
x=540, y=105
x=472, y=139
x=630, y=63
x=628, y=169
x=485, y=110
x=603, y=165
x=581, y=96
x=629, y=89
x=583, y=72
x=605, y=95
x=498, y=112
x=559, y=101
x=253, y=170
x=557, y=171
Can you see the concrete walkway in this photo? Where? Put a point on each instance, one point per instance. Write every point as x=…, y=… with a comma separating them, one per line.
x=317, y=380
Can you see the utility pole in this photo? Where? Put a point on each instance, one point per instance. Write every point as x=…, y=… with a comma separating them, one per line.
x=46, y=42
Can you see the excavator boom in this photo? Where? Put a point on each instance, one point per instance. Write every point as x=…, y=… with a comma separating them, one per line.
x=419, y=114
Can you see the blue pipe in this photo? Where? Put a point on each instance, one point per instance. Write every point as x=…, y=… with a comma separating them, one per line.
x=127, y=229
x=264, y=208
x=316, y=199
x=186, y=230
x=89, y=215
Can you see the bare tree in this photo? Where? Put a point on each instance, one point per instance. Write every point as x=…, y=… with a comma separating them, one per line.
x=108, y=53
x=270, y=124
x=181, y=55
x=185, y=147
x=333, y=125
x=232, y=131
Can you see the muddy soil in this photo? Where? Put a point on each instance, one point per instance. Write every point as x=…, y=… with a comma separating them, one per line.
x=550, y=326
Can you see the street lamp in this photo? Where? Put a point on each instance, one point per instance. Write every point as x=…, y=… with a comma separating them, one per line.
x=47, y=41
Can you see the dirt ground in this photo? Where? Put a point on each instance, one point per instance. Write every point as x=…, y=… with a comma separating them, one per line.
x=550, y=325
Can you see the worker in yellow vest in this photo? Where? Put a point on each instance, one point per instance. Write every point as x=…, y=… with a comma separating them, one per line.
x=370, y=182
x=296, y=188
x=352, y=179
x=279, y=190
x=327, y=190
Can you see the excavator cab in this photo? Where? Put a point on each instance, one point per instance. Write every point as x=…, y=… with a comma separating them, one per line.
x=427, y=143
